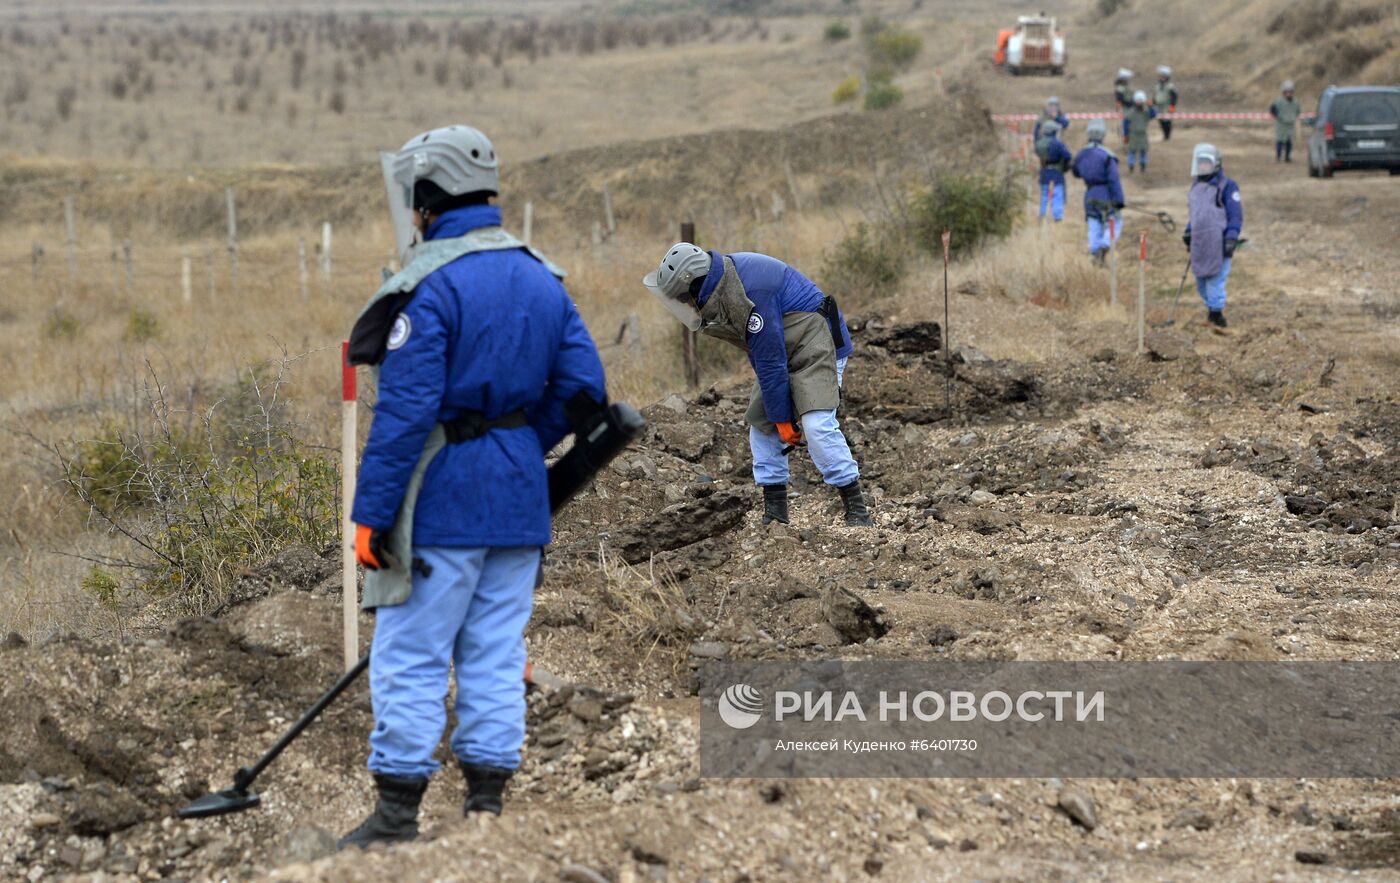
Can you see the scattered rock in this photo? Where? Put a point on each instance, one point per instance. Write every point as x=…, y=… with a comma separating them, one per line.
x=581, y=874
x=1107, y=354
x=916, y=337
x=942, y=635
x=99, y=809
x=852, y=618
x=681, y=525
x=1079, y=807
x=982, y=498
x=1165, y=347
x=14, y=641
x=1310, y=857
x=44, y=820
x=1192, y=817
x=1304, y=504
x=675, y=403
x=689, y=441
x=306, y=843
x=709, y=649
x=649, y=846
x=1304, y=815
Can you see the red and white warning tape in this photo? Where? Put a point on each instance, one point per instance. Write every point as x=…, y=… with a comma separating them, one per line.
x=1108, y=114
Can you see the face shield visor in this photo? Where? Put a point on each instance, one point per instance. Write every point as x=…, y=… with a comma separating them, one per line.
x=681, y=308
x=1205, y=160
x=670, y=282
x=398, y=185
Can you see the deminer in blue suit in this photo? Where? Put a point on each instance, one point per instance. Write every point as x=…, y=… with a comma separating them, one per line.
x=797, y=342
x=484, y=366
x=1213, y=233
x=1055, y=159
x=1098, y=168
x=1051, y=113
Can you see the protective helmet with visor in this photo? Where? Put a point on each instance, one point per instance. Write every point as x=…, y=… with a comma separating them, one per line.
x=1205, y=160
x=670, y=282
x=455, y=160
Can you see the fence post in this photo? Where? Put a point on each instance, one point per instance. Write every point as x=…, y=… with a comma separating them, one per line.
x=1112, y=261
x=688, y=354
x=71, y=226
x=792, y=186
x=302, y=274
x=326, y=251
x=608, y=211
x=529, y=221
x=126, y=254
x=35, y=253
x=1142, y=289
x=116, y=281
x=209, y=271
x=186, y=282
x=348, y=430
x=232, y=241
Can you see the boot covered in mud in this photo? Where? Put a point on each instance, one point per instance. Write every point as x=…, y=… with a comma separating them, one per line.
x=857, y=513
x=775, y=503
x=395, y=816
x=486, y=787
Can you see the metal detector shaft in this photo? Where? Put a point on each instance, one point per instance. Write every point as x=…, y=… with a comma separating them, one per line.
x=245, y=776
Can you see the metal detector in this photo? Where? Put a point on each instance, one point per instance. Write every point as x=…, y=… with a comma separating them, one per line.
x=596, y=444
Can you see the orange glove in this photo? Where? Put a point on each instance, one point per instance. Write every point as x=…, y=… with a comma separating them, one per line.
x=369, y=546
x=789, y=434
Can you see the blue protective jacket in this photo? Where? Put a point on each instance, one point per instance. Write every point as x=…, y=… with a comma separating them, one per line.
x=1052, y=163
x=494, y=332
x=775, y=289
x=1098, y=168
x=1229, y=196
x=1061, y=119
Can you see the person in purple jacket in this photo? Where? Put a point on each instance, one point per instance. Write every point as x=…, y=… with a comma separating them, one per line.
x=1213, y=233
x=797, y=343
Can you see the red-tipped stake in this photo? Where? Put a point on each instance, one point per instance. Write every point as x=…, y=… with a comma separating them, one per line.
x=1142, y=287
x=348, y=431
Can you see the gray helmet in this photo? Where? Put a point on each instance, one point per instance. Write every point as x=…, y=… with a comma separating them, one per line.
x=1097, y=130
x=670, y=282
x=1049, y=128
x=1124, y=74
x=1052, y=101
x=1139, y=97
x=1205, y=153
x=1287, y=86
x=459, y=159
x=1163, y=71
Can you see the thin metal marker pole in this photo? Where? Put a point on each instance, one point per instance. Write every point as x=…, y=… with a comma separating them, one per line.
x=1112, y=260
x=1142, y=288
x=348, y=575
x=947, y=351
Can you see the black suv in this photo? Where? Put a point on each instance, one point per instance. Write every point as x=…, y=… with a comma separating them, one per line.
x=1357, y=127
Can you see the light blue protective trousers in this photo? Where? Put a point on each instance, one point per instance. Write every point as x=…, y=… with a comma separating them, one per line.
x=470, y=615
x=1212, y=288
x=1056, y=205
x=825, y=442
x=1098, y=233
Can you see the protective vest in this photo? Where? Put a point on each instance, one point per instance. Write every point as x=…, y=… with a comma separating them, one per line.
x=1208, y=223
x=807, y=335
x=1137, y=119
x=391, y=585
x=1165, y=98
x=1286, y=112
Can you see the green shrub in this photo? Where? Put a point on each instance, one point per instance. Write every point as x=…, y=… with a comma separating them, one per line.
x=837, y=31
x=61, y=325
x=871, y=25
x=895, y=47
x=869, y=259
x=204, y=498
x=974, y=207
x=882, y=94
x=847, y=90
x=142, y=326
x=102, y=586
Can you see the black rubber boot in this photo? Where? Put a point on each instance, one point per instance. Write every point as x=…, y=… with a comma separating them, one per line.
x=485, y=787
x=395, y=816
x=775, y=500
x=857, y=513
x=1217, y=318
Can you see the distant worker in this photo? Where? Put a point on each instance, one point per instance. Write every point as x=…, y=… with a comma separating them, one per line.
x=1122, y=90
x=1165, y=100
x=484, y=366
x=1055, y=160
x=1285, y=111
x=1135, y=122
x=797, y=343
x=1213, y=231
x=1052, y=111
x=1097, y=167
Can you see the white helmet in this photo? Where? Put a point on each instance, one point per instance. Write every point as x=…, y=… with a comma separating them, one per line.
x=1287, y=86
x=1049, y=128
x=670, y=282
x=457, y=159
x=1052, y=101
x=1124, y=74
x=1097, y=130
x=1207, y=155
x=1163, y=71
x=1139, y=97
